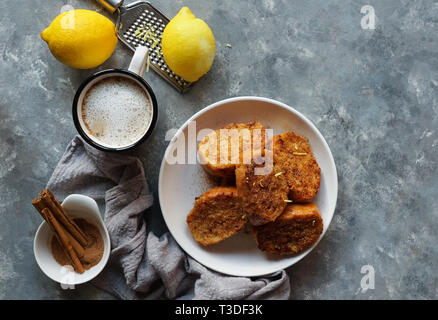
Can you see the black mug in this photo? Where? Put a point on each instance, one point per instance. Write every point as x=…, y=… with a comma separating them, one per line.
x=134, y=72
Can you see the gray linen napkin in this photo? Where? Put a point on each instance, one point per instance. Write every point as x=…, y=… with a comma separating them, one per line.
x=141, y=265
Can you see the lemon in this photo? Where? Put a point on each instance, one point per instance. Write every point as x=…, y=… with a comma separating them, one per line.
x=80, y=38
x=188, y=46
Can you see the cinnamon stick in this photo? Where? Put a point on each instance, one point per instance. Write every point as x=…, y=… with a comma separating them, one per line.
x=39, y=205
x=80, y=251
x=58, y=211
x=50, y=225
x=60, y=207
x=63, y=240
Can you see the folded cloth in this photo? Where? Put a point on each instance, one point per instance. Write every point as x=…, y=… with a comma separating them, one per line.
x=141, y=265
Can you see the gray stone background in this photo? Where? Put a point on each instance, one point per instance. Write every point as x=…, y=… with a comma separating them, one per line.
x=371, y=93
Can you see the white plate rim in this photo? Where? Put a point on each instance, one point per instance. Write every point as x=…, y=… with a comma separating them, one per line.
x=303, y=118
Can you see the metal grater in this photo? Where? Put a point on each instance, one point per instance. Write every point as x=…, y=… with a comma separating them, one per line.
x=143, y=14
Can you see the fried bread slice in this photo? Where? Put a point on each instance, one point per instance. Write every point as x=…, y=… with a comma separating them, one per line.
x=216, y=215
x=221, y=150
x=298, y=228
x=263, y=196
x=303, y=175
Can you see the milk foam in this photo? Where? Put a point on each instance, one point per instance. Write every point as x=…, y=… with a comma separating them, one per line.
x=116, y=111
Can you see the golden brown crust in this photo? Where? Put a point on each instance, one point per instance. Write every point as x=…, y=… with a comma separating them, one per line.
x=223, y=165
x=297, y=229
x=302, y=172
x=216, y=215
x=263, y=196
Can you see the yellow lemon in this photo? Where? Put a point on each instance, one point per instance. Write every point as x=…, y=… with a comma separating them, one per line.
x=81, y=39
x=188, y=46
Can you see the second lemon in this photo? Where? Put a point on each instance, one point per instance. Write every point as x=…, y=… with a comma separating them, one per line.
x=188, y=46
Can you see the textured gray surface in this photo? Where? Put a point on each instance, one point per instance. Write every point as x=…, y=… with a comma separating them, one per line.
x=372, y=94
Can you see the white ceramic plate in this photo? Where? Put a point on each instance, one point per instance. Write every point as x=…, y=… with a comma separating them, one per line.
x=179, y=184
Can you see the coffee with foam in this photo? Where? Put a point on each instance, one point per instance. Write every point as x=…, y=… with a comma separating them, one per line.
x=116, y=112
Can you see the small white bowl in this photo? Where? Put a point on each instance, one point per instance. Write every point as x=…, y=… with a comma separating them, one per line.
x=77, y=206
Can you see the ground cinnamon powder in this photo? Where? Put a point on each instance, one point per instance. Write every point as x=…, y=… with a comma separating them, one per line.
x=93, y=251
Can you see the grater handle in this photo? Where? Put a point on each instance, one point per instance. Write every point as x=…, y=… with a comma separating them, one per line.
x=139, y=60
x=110, y=5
